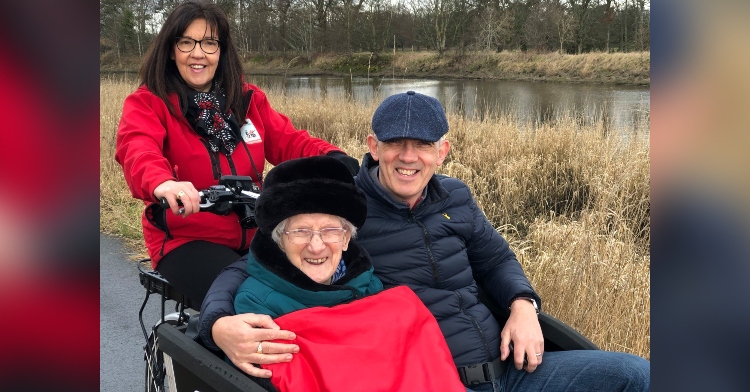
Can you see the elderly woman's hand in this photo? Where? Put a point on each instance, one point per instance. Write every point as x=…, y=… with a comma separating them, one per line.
x=183, y=191
x=239, y=336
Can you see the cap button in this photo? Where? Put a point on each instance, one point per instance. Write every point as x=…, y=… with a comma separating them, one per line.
x=410, y=92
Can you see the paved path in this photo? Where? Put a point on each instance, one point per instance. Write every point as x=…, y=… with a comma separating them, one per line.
x=121, y=366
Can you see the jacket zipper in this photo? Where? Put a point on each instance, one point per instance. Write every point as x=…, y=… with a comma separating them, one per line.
x=216, y=169
x=252, y=163
x=476, y=325
x=231, y=165
x=433, y=264
x=426, y=237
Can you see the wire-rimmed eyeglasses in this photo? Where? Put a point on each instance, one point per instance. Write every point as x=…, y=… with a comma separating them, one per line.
x=187, y=44
x=330, y=235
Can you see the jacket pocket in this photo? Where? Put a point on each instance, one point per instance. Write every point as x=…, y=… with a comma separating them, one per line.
x=157, y=217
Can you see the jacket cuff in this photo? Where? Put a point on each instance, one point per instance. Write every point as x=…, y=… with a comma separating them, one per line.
x=530, y=294
x=206, y=324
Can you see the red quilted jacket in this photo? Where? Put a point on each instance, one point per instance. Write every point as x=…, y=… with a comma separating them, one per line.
x=385, y=342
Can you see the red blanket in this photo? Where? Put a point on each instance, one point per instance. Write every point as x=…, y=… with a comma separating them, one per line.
x=384, y=342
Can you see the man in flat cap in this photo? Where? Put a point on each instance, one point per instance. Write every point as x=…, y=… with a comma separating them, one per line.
x=424, y=230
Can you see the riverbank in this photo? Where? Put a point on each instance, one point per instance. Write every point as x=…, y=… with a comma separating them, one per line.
x=610, y=68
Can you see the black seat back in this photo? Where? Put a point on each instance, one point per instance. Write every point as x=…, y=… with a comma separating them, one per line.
x=558, y=336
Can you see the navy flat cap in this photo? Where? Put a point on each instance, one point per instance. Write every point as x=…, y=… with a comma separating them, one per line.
x=410, y=115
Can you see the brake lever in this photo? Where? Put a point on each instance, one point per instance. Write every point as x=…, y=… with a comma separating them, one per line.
x=251, y=194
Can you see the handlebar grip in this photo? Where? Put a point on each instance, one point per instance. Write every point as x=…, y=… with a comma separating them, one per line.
x=204, y=205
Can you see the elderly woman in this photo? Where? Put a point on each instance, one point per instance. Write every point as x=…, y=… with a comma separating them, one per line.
x=303, y=253
x=303, y=261
x=192, y=121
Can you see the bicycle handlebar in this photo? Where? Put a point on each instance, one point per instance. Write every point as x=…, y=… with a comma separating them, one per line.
x=217, y=195
x=230, y=195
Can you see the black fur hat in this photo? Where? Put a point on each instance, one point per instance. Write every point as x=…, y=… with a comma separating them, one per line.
x=319, y=184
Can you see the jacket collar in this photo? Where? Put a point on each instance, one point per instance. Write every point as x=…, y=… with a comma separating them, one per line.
x=268, y=254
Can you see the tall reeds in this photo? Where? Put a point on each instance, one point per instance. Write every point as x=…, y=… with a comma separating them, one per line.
x=120, y=213
x=572, y=200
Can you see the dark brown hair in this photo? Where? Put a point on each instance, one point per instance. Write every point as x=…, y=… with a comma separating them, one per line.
x=159, y=72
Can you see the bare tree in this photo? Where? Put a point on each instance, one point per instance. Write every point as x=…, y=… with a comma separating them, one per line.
x=349, y=16
x=308, y=26
x=322, y=13
x=540, y=30
x=642, y=31
x=140, y=20
x=461, y=13
x=581, y=13
x=301, y=29
x=378, y=21
x=110, y=13
x=633, y=23
x=565, y=23
x=494, y=26
x=608, y=18
x=260, y=24
x=436, y=16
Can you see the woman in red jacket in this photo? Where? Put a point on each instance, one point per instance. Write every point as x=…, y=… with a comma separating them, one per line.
x=193, y=120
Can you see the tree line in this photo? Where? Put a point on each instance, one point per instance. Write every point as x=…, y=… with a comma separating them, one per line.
x=306, y=27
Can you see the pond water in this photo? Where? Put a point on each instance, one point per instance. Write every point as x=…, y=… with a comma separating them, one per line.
x=624, y=109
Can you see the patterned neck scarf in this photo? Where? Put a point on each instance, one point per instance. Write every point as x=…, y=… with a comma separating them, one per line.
x=207, y=115
x=340, y=272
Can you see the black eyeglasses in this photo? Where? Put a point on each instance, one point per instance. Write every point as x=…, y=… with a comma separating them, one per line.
x=187, y=44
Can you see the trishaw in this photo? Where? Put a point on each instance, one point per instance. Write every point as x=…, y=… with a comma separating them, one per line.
x=174, y=355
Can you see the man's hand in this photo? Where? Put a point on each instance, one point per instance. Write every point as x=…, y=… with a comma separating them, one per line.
x=523, y=329
x=238, y=336
x=351, y=163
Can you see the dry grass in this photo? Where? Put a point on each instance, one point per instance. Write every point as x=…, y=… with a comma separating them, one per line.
x=573, y=203
x=629, y=68
x=120, y=213
x=603, y=67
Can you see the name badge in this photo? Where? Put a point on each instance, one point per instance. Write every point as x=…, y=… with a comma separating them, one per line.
x=249, y=134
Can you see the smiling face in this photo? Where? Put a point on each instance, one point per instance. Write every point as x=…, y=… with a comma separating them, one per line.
x=318, y=260
x=196, y=67
x=406, y=165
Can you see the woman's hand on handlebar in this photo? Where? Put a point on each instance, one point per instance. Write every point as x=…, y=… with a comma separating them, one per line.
x=184, y=191
x=238, y=337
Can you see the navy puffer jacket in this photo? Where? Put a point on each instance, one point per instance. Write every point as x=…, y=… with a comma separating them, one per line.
x=437, y=249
